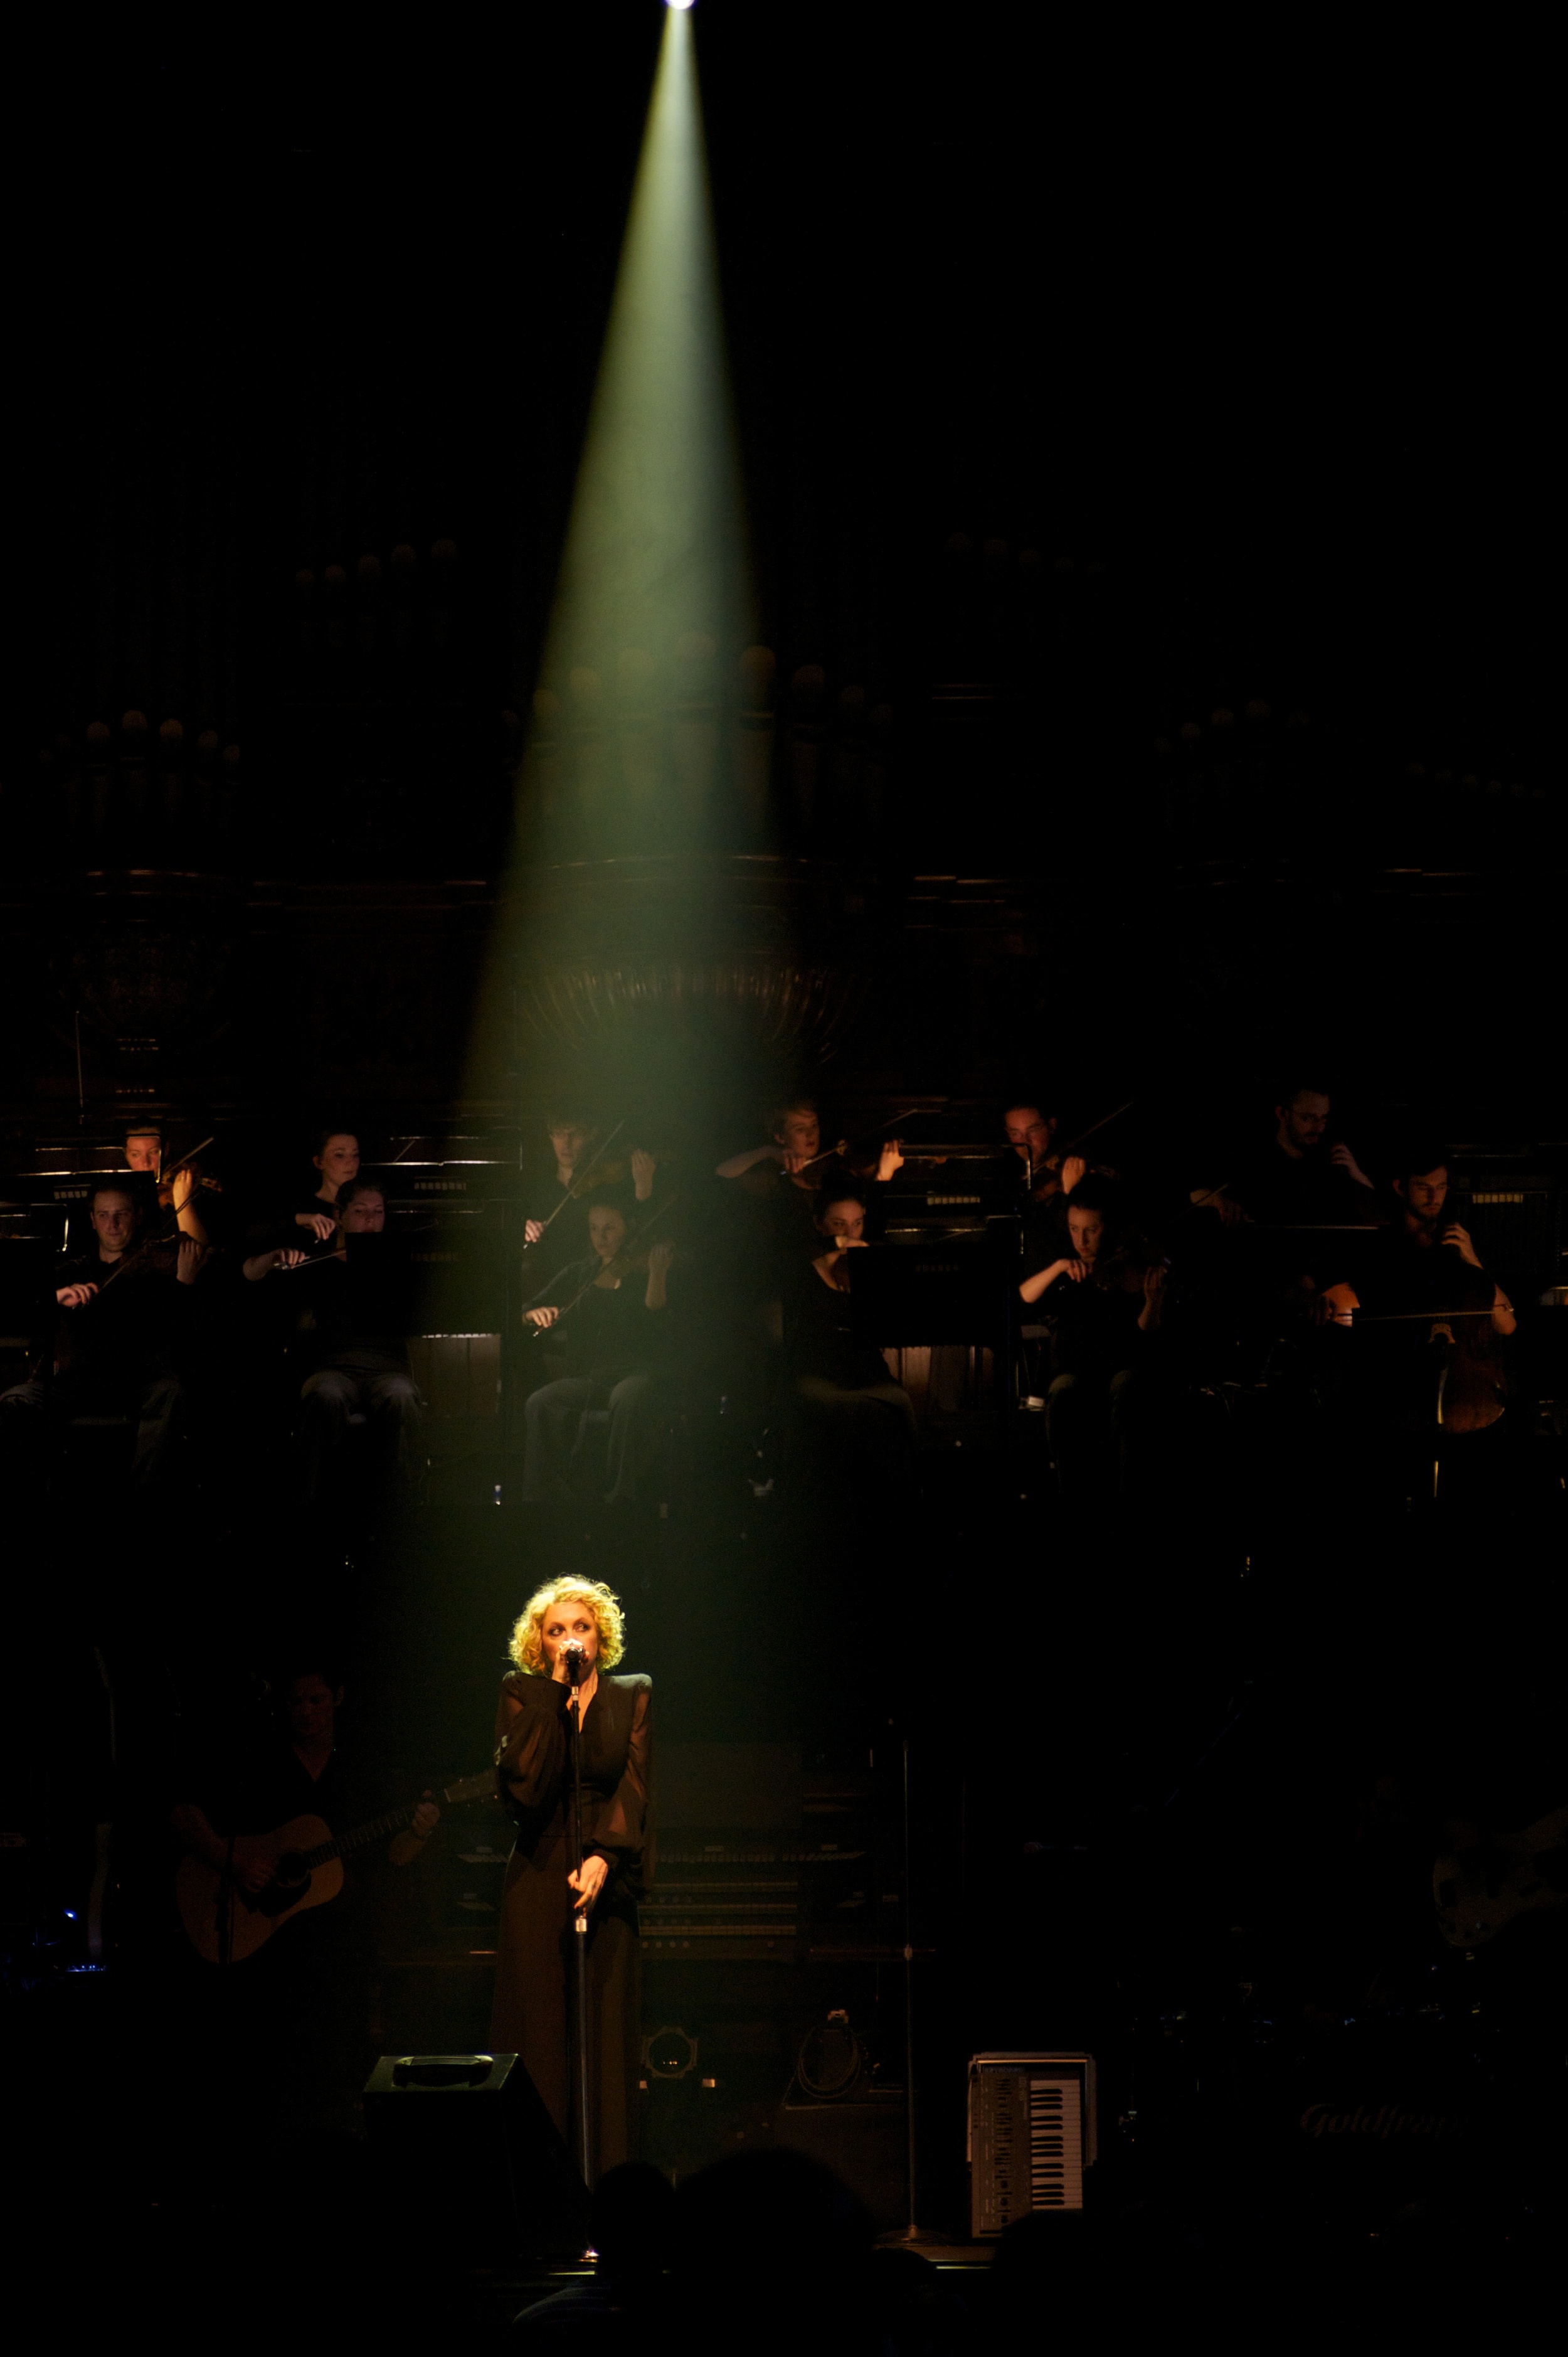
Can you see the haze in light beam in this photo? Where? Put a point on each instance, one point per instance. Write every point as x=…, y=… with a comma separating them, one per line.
x=655, y=548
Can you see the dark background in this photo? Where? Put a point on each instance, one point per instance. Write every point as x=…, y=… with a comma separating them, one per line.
x=1146, y=434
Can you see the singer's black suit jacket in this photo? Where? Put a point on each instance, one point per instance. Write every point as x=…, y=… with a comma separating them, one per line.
x=533, y=1768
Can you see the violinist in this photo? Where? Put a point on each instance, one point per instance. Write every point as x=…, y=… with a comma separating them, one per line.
x=143, y=1160
x=584, y=1165
x=360, y=1300
x=858, y=1423
x=795, y=1134
x=126, y=1313
x=176, y=1195
x=611, y=1310
x=1031, y=1173
x=788, y=1176
x=1107, y=1308
x=336, y=1160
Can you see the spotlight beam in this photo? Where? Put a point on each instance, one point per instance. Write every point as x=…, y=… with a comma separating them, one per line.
x=655, y=549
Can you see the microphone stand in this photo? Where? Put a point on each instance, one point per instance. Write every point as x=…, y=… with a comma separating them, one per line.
x=579, y=1927
x=913, y=2233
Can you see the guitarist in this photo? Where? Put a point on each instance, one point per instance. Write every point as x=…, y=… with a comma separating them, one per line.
x=304, y=1776
x=292, y=2020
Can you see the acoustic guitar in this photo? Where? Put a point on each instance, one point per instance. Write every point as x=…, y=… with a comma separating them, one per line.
x=1479, y=1890
x=225, y=1924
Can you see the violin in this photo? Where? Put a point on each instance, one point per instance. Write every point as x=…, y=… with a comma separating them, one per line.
x=632, y=1262
x=612, y=1174
x=1046, y=1179
x=198, y=1178
x=635, y=1254
x=1047, y=1183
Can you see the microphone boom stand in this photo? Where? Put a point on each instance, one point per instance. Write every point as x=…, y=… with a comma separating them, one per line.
x=579, y=1931
x=913, y=2232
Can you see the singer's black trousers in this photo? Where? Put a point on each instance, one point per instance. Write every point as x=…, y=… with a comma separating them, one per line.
x=534, y=2014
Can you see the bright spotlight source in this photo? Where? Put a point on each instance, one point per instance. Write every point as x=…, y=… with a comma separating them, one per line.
x=677, y=3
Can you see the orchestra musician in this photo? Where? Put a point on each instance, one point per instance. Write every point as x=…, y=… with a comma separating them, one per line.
x=360, y=1298
x=152, y=1192
x=1107, y=1309
x=560, y=1188
x=1415, y=1265
x=543, y=1893
x=1300, y=1178
x=795, y=1137
x=124, y=1317
x=862, y=1421
x=1431, y=1323
x=337, y=1158
x=1044, y=1176
x=610, y=1311
x=788, y=1177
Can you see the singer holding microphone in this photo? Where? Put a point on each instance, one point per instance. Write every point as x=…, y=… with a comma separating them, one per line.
x=560, y=1693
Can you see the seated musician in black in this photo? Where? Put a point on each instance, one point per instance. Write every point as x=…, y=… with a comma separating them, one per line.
x=1028, y=1173
x=787, y=1177
x=1430, y=1318
x=611, y=1310
x=361, y=1297
x=303, y=1993
x=1301, y=1177
x=1106, y=1305
x=145, y=1163
x=337, y=1161
x=582, y=1166
x=125, y=1321
x=1034, y=1179
x=860, y=1423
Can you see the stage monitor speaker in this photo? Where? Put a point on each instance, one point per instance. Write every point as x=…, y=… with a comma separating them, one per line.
x=467, y=2134
x=1031, y=2135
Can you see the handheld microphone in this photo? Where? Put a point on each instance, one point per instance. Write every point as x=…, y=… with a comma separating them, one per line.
x=572, y=1654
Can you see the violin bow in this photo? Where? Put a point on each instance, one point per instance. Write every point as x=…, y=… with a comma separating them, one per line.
x=535, y=1331
x=1419, y=1317
x=311, y=1260
x=330, y=1251
x=571, y=1194
x=843, y=1146
x=148, y=1245
x=1104, y=1121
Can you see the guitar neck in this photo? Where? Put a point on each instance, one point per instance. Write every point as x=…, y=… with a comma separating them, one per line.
x=357, y=1837
x=471, y=1788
